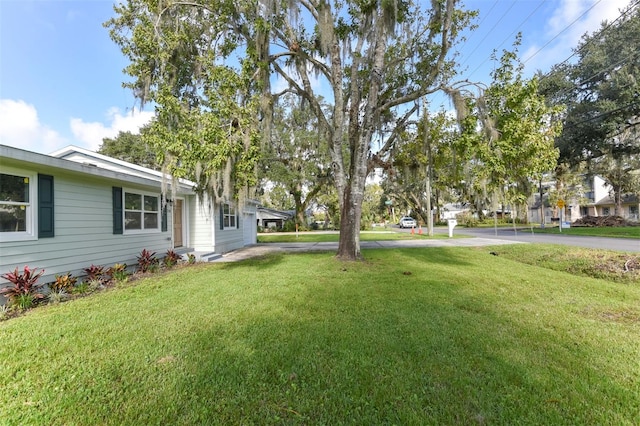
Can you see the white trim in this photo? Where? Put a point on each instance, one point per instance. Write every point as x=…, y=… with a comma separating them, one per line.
x=31, y=233
x=234, y=216
x=158, y=229
x=185, y=219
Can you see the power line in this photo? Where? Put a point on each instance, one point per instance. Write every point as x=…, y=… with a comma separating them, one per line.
x=489, y=32
x=479, y=24
x=509, y=36
x=563, y=30
x=598, y=35
x=602, y=114
x=588, y=42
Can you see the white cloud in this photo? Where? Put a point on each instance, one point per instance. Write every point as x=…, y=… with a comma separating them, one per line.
x=20, y=127
x=91, y=134
x=568, y=34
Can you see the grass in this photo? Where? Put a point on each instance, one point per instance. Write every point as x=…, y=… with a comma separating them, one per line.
x=605, y=264
x=411, y=336
x=316, y=237
x=609, y=231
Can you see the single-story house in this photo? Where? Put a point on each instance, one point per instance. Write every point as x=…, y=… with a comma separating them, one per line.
x=272, y=218
x=66, y=211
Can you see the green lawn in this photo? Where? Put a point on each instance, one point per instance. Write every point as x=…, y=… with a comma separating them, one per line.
x=410, y=336
x=609, y=231
x=316, y=237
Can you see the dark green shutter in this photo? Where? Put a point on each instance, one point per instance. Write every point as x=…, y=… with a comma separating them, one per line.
x=117, y=210
x=237, y=219
x=221, y=216
x=46, y=217
x=164, y=218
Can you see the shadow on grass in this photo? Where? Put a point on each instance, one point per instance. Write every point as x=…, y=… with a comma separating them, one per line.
x=356, y=343
x=398, y=361
x=263, y=262
x=446, y=256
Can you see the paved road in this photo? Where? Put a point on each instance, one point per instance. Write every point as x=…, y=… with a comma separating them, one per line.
x=525, y=236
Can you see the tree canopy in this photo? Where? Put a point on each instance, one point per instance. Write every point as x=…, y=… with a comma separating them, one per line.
x=601, y=91
x=130, y=147
x=215, y=67
x=295, y=157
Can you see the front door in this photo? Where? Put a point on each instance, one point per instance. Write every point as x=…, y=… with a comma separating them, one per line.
x=177, y=223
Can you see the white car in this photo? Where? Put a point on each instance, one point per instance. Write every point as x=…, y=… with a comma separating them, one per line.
x=407, y=222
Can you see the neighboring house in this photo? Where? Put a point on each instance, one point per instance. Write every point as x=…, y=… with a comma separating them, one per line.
x=66, y=211
x=602, y=204
x=597, y=201
x=271, y=218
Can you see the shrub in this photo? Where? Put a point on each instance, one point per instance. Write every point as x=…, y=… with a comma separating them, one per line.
x=171, y=259
x=191, y=258
x=84, y=287
x=467, y=219
x=4, y=312
x=57, y=296
x=24, y=292
x=63, y=283
x=94, y=273
x=289, y=226
x=147, y=261
x=118, y=272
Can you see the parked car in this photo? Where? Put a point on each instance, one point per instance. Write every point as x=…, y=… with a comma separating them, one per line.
x=407, y=222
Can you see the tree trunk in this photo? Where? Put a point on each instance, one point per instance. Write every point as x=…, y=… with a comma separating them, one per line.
x=618, y=200
x=350, y=215
x=299, y=205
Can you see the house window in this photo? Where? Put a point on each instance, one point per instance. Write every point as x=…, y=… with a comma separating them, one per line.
x=606, y=211
x=141, y=212
x=228, y=216
x=17, y=194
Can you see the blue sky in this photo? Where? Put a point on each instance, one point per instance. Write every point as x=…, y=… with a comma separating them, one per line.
x=61, y=75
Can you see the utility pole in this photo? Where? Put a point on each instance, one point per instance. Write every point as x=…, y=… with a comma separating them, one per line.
x=427, y=144
x=541, y=205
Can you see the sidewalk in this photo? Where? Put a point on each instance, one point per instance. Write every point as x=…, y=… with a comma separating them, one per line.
x=262, y=249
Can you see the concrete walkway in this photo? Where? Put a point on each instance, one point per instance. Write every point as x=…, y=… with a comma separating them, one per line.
x=262, y=249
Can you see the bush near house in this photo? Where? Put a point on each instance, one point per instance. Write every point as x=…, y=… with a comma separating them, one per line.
x=147, y=261
x=25, y=291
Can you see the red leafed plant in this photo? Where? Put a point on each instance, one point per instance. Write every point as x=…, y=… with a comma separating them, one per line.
x=24, y=285
x=147, y=261
x=94, y=273
x=171, y=259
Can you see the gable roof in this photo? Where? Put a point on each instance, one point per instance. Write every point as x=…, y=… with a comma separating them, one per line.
x=23, y=158
x=84, y=156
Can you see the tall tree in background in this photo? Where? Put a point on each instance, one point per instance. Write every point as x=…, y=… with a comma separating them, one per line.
x=519, y=133
x=296, y=157
x=601, y=91
x=130, y=147
x=431, y=145
x=204, y=63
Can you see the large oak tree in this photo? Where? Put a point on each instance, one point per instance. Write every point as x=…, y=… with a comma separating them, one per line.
x=213, y=68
